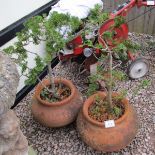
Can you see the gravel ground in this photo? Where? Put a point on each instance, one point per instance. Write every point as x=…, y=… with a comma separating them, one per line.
x=66, y=141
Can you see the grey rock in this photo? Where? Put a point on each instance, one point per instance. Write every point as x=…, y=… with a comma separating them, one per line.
x=153, y=119
x=9, y=79
x=12, y=141
x=1, y=84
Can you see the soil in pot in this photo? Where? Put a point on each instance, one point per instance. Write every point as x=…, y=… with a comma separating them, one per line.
x=100, y=111
x=92, y=127
x=58, y=109
x=61, y=90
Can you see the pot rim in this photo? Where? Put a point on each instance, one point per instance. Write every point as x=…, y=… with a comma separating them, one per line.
x=46, y=82
x=90, y=100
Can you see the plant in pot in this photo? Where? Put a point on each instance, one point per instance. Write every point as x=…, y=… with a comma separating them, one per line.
x=107, y=121
x=56, y=101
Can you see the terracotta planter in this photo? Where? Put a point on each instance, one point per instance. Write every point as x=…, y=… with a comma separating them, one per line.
x=95, y=134
x=56, y=114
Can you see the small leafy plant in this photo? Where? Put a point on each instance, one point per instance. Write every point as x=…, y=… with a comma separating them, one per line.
x=55, y=31
x=143, y=84
x=109, y=108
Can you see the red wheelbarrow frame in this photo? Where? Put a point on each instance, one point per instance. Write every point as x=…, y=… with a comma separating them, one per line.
x=77, y=43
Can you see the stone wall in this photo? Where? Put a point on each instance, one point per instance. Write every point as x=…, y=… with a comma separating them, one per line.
x=12, y=141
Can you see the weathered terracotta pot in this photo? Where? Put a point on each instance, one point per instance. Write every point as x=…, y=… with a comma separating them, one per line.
x=56, y=114
x=95, y=134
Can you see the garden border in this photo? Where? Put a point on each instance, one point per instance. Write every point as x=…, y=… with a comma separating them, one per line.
x=10, y=31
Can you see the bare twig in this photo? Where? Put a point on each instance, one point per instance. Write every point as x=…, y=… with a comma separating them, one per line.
x=43, y=85
x=32, y=52
x=117, y=65
x=50, y=78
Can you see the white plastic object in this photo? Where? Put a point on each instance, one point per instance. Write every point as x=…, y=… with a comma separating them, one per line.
x=93, y=69
x=87, y=52
x=151, y=2
x=109, y=123
x=78, y=8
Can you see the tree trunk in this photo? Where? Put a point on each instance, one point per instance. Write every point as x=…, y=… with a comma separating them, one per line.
x=110, y=82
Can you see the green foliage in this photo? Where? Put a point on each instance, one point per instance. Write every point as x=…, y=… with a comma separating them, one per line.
x=118, y=20
x=102, y=75
x=33, y=30
x=131, y=46
x=121, y=52
x=33, y=73
x=97, y=99
x=119, y=75
x=98, y=46
x=37, y=29
x=101, y=59
x=93, y=85
x=101, y=107
x=95, y=19
x=18, y=52
x=95, y=111
x=122, y=49
x=143, y=84
x=45, y=93
x=107, y=35
x=89, y=43
x=97, y=16
x=117, y=111
x=95, y=12
x=122, y=95
x=96, y=108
